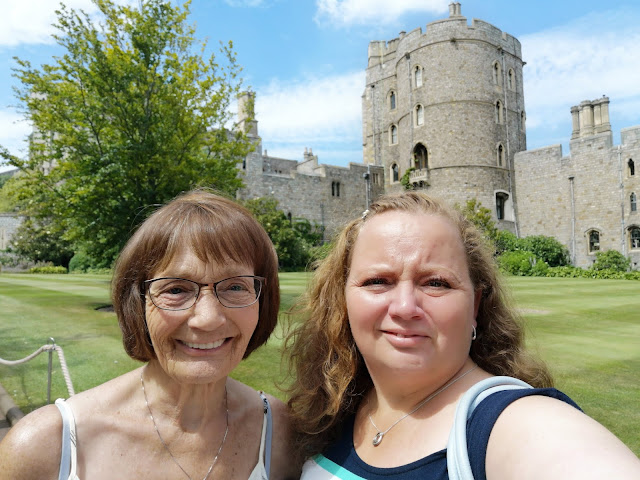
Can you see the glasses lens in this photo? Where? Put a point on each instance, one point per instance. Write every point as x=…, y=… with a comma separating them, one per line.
x=238, y=291
x=173, y=293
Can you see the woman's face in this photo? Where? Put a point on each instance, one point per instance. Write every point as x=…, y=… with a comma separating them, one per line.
x=410, y=300
x=206, y=342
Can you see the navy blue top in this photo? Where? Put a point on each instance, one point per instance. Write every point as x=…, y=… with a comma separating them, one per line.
x=434, y=466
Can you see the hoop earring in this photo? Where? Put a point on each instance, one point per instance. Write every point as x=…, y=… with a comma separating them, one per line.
x=473, y=335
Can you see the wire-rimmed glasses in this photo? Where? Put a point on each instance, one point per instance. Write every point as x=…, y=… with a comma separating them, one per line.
x=173, y=293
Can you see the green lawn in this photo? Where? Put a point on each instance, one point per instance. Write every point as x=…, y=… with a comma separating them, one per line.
x=587, y=330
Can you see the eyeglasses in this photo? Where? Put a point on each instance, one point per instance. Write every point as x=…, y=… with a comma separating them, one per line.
x=169, y=293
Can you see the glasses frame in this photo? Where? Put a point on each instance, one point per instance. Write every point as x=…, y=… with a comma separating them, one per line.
x=214, y=288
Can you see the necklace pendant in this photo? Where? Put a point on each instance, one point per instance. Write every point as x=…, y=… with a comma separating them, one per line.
x=377, y=439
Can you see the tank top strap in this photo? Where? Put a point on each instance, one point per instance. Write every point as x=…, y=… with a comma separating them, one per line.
x=68, y=456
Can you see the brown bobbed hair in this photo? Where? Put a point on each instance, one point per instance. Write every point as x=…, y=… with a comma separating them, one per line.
x=218, y=231
x=330, y=376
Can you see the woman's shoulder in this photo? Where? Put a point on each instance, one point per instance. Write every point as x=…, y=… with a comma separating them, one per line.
x=32, y=447
x=546, y=436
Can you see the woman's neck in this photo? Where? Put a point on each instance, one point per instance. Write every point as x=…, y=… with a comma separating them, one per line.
x=190, y=405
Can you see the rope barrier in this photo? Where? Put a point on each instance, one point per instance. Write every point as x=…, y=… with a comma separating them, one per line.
x=47, y=348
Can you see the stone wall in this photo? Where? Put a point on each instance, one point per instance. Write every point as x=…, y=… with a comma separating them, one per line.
x=567, y=197
x=8, y=225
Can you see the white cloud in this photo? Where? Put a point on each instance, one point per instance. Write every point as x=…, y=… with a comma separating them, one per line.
x=323, y=111
x=593, y=56
x=349, y=12
x=13, y=132
x=30, y=21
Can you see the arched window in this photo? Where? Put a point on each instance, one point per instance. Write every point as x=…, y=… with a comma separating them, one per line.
x=498, y=111
x=634, y=202
x=497, y=73
x=594, y=241
x=289, y=217
x=393, y=135
x=523, y=119
x=420, y=157
x=394, y=173
x=500, y=155
x=335, y=189
x=634, y=238
x=511, y=79
x=632, y=168
x=501, y=202
x=419, y=115
x=392, y=100
x=417, y=76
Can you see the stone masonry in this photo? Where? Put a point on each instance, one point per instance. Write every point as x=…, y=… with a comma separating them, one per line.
x=323, y=194
x=449, y=103
x=587, y=199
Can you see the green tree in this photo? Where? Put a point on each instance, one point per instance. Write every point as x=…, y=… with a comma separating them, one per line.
x=296, y=241
x=40, y=241
x=130, y=115
x=481, y=218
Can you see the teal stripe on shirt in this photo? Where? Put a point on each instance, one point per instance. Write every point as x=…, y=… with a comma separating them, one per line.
x=335, y=469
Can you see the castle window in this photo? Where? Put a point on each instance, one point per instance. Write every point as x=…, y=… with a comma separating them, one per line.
x=634, y=202
x=501, y=202
x=632, y=168
x=335, y=189
x=511, y=79
x=417, y=76
x=500, y=154
x=594, y=241
x=419, y=115
x=499, y=112
x=395, y=177
x=289, y=217
x=634, y=238
x=523, y=119
x=392, y=100
x=420, y=157
x=376, y=178
x=497, y=73
x=393, y=135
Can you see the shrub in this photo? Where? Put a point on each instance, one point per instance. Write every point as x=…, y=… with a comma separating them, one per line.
x=81, y=262
x=47, y=269
x=506, y=241
x=611, y=260
x=521, y=263
x=546, y=248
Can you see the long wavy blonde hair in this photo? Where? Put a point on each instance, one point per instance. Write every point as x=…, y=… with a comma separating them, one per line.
x=330, y=377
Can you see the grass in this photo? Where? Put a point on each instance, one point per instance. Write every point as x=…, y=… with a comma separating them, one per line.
x=588, y=331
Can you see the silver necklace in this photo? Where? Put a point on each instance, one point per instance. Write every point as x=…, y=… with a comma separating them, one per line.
x=215, y=459
x=377, y=440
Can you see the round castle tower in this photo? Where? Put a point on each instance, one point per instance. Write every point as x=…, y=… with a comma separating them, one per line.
x=449, y=104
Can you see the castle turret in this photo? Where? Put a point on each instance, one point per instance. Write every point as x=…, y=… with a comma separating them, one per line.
x=444, y=108
x=246, y=114
x=590, y=118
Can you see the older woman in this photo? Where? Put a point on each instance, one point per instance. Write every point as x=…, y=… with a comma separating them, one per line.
x=404, y=316
x=195, y=291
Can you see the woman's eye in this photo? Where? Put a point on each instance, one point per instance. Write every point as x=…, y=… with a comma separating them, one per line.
x=374, y=281
x=437, y=283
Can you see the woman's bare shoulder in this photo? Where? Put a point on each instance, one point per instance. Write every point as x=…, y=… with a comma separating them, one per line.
x=542, y=437
x=31, y=449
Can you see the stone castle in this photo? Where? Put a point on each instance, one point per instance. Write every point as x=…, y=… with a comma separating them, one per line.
x=443, y=110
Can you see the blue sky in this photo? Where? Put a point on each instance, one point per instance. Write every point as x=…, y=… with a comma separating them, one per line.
x=305, y=59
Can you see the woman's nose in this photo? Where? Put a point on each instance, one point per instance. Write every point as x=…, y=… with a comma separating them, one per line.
x=208, y=312
x=404, y=301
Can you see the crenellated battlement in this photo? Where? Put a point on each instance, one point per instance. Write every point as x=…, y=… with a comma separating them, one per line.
x=453, y=28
